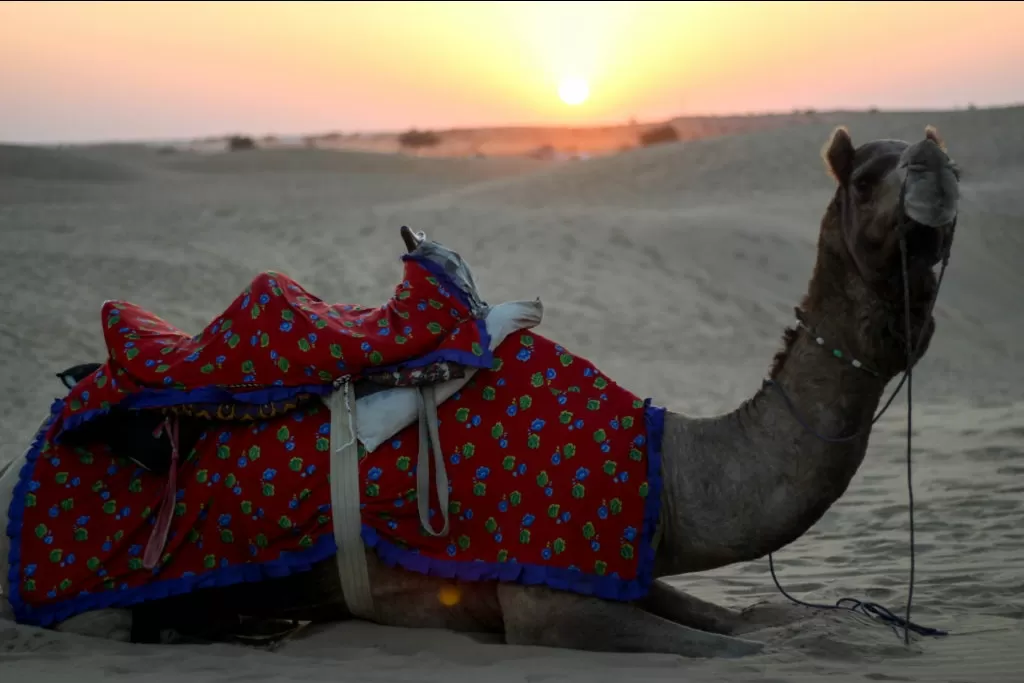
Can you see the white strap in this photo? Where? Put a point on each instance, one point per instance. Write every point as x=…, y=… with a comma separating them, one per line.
x=430, y=440
x=345, y=496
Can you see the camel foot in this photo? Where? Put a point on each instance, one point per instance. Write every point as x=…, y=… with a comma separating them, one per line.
x=764, y=615
x=686, y=610
x=540, y=616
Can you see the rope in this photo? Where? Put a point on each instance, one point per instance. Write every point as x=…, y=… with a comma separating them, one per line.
x=872, y=609
x=869, y=609
x=910, y=432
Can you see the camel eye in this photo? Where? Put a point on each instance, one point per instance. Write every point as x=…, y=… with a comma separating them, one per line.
x=863, y=187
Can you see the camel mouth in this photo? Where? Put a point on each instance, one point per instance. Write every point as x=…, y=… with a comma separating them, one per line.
x=925, y=248
x=924, y=281
x=925, y=244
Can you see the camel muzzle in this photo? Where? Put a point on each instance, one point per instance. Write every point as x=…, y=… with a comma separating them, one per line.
x=929, y=201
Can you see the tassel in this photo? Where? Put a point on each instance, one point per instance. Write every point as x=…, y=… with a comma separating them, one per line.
x=158, y=537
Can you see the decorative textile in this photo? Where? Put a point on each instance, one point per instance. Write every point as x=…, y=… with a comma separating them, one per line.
x=554, y=472
x=252, y=502
x=274, y=342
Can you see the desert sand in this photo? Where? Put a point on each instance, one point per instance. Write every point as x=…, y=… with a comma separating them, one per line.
x=674, y=268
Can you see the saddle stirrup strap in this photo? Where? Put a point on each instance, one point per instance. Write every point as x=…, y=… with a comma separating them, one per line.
x=430, y=440
x=345, y=497
x=158, y=537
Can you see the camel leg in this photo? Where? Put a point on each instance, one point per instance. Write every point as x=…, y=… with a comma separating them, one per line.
x=682, y=608
x=768, y=615
x=686, y=610
x=535, y=615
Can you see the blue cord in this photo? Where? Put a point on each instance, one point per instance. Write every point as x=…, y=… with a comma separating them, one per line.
x=870, y=609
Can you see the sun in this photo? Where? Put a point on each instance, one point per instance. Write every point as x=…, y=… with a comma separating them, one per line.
x=573, y=91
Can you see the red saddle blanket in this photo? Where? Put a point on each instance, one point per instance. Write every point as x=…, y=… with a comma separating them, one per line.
x=554, y=472
x=276, y=341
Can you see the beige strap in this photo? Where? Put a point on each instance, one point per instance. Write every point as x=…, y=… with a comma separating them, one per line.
x=430, y=440
x=345, y=496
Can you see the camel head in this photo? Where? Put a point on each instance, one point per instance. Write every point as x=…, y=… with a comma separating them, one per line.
x=888, y=192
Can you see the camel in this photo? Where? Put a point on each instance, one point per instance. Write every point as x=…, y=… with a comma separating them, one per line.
x=737, y=486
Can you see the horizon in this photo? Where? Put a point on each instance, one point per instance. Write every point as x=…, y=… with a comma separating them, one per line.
x=257, y=135
x=122, y=72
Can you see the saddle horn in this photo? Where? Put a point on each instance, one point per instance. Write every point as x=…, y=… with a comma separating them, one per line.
x=412, y=239
x=76, y=373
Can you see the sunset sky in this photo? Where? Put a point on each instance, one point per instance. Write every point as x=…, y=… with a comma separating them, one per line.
x=106, y=70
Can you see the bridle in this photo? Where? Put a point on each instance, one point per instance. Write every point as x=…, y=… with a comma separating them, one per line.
x=913, y=354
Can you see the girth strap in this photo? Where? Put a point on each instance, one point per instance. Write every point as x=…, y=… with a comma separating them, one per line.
x=345, y=493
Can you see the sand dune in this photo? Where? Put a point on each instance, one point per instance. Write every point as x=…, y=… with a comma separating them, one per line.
x=19, y=162
x=674, y=268
x=344, y=162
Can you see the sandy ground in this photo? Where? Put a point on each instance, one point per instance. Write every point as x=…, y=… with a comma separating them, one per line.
x=704, y=247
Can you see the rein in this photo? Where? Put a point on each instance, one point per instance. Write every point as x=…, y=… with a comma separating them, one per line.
x=869, y=608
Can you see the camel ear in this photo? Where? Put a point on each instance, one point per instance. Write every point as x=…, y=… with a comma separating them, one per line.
x=838, y=154
x=932, y=133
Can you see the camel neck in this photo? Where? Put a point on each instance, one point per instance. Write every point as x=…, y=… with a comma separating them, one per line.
x=746, y=483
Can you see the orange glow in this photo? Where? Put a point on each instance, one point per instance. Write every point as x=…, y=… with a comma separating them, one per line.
x=149, y=69
x=449, y=596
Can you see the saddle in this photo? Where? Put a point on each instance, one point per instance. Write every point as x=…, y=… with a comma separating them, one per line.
x=136, y=435
x=278, y=347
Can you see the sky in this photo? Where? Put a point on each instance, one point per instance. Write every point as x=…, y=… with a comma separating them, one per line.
x=98, y=71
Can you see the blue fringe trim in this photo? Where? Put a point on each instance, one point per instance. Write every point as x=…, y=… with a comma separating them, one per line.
x=574, y=580
x=287, y=564
x=654, y=417
x=16, y=512
x=162, y=398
